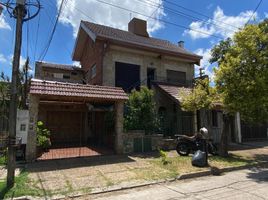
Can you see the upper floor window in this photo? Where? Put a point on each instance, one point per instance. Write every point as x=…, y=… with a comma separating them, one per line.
x=66, y=76
x=176, y=77
x=127, y=76
x=58, y=75
x=93, y=71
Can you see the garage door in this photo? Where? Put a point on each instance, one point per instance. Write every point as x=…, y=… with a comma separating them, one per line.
x=65, y=127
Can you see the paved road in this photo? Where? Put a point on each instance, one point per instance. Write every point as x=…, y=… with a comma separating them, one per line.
x=244, y=184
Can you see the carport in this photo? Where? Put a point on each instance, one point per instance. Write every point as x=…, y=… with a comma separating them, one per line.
x=78, y=116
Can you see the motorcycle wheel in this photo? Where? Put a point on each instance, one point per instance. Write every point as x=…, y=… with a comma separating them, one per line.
x=212, y=149
x=182, y=149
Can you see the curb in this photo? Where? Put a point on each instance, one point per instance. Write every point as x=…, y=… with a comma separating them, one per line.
x=180, y=177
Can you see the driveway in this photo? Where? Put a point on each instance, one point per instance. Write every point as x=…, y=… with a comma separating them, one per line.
x=245, y=184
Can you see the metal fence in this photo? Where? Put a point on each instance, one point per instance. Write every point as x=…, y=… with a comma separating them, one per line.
x=174, y=124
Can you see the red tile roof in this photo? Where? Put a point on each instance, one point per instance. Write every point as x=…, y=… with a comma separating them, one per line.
x=94, y=92
x=173, y=91
x=131, y=38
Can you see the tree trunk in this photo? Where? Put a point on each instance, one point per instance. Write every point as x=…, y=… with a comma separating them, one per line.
x=224, y=136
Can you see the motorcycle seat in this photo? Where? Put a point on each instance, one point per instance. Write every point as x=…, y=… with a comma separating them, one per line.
x=192, y=138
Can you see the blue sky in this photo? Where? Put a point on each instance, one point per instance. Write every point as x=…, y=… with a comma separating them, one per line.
x=225, y=16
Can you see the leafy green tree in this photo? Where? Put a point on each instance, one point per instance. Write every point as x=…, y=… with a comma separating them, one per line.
x=24, y=84
x=4, y=98
x=242, y=76
x=141, y=111
x=241, y=80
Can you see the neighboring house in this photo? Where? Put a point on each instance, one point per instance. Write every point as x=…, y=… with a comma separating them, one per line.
x=59, y=72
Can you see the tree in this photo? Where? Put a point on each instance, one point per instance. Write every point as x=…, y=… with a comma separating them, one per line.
x=141, y=111
x=25, y=79
x=202, y=96
x=4, y=98
x=241, y=80
x=242, y=76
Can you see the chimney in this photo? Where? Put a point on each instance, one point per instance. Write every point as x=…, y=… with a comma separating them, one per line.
x=138, y=27
x=181, y=44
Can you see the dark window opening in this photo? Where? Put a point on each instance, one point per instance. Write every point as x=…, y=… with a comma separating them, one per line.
x=150, y=76
x=214, y=118
x=66, y=76
x=127, y=76
x=176, y=77
x=74, y=73
x=23, y=127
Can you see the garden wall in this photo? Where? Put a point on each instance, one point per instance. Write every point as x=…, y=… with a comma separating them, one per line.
x=137, y=141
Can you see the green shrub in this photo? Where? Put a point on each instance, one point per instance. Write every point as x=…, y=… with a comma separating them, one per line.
x=141, y=111
x=164, y=157
x=43, y=135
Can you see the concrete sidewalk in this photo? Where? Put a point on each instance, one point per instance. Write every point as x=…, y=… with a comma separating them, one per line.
x=245, y=184
x=78, y=176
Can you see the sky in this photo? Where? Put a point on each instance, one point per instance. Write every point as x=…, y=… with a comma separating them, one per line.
x=200, y=24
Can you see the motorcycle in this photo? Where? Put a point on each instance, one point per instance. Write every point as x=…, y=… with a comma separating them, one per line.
x=187, y=145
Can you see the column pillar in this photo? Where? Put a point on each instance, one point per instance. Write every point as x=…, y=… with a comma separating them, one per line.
x=31, y=137
x=119, y=118
x=238, y=128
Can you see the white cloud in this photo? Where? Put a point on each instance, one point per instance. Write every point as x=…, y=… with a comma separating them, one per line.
x=266, y=15
x=77, y=63
x=3, y=23
x=220, y=24
x=22, y=62
x=108, y=15
x=208, y=68
x=3, y=59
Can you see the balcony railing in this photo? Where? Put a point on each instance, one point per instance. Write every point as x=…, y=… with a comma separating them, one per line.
x=182, y=83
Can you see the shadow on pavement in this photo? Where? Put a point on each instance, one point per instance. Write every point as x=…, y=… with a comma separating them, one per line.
x=68, y=163
x=258, y=174
x=248, y=145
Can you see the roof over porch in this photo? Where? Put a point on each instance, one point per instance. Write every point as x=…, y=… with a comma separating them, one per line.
x=76, y=92
x=174, y=92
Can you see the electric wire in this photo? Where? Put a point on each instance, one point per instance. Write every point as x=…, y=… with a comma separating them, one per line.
x=43, y=55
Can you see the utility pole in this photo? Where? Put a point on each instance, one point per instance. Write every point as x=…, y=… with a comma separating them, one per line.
x=19, y=12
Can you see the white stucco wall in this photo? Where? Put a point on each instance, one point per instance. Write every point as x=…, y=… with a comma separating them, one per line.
x=22, y=121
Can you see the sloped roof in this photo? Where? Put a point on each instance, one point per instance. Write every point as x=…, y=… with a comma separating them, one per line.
x=91, y=92
x=173, y=91
x=126, y=37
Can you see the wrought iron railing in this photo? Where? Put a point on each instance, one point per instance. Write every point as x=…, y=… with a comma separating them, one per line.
x=183, y=83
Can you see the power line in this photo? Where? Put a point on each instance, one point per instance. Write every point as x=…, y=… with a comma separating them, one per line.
x=52, y=33
x=37, y=34
x=185, y=15
x=254, y=12
x=164, y=21
x=198, y=13
x=159, y=5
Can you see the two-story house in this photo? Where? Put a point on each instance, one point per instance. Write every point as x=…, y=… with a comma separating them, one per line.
x=84, y=105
